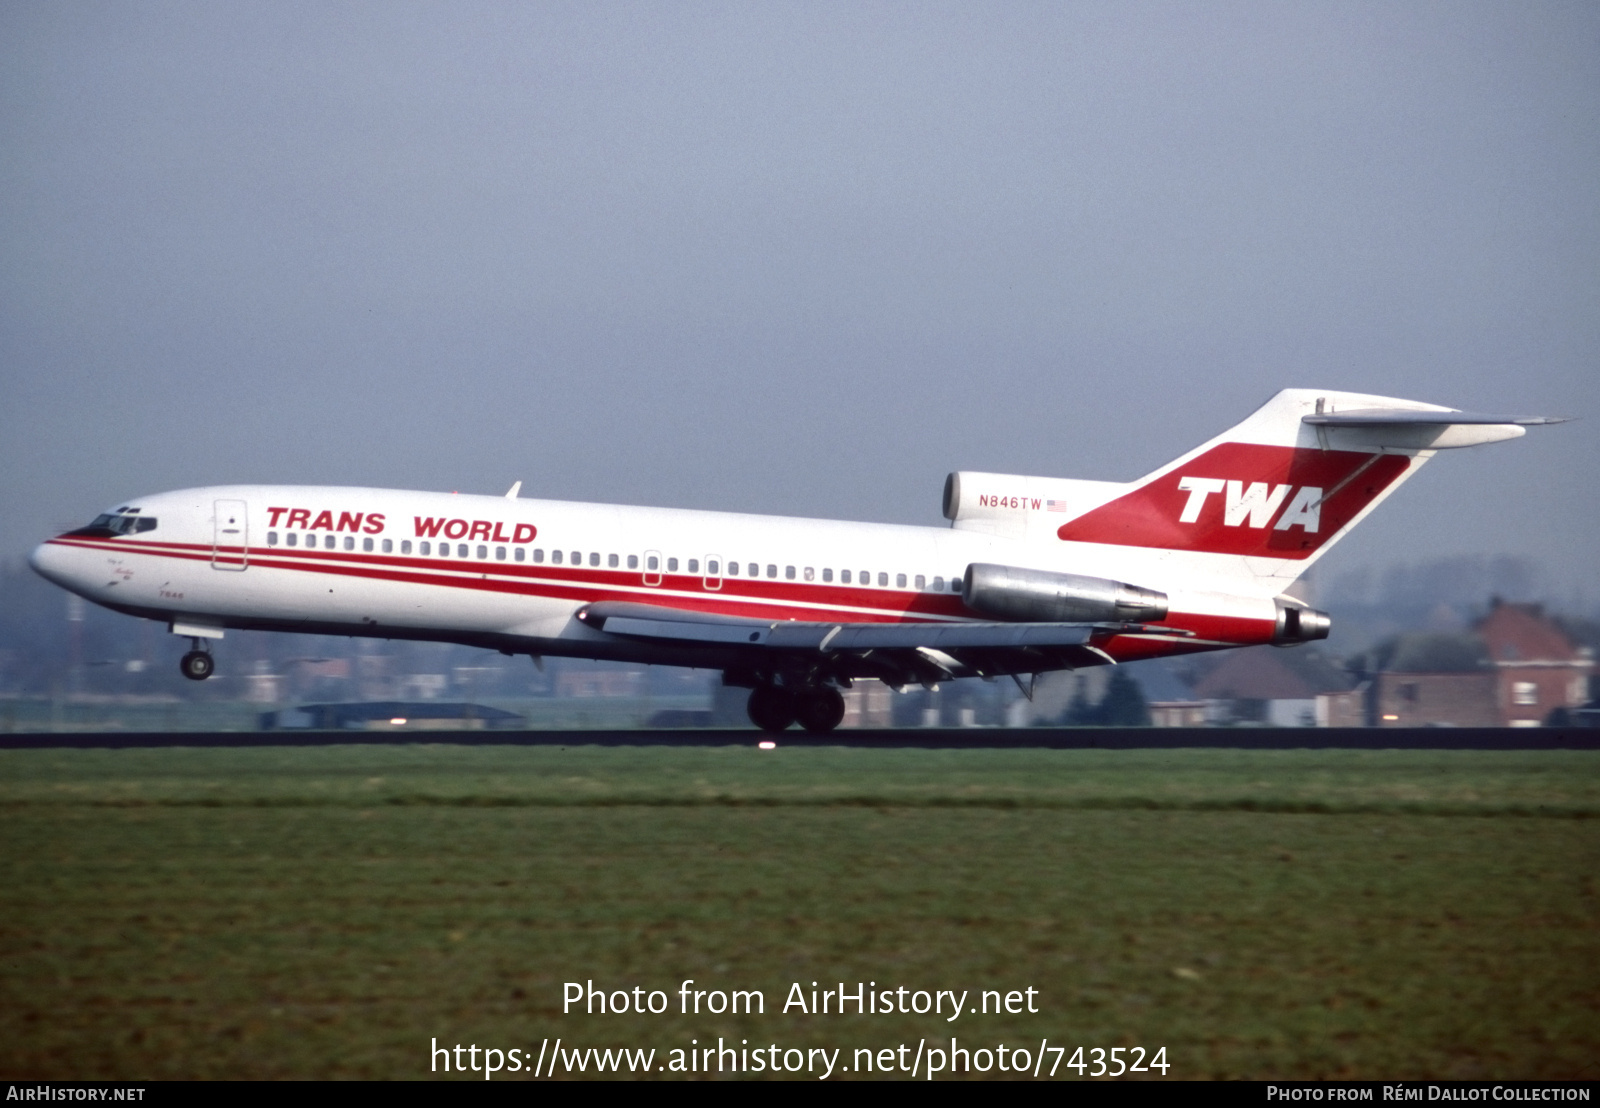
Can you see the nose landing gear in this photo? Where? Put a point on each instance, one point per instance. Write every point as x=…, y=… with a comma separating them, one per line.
x=817, y=708
x=198, y=664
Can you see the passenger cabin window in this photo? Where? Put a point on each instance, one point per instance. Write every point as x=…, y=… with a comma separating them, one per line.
x=577, y=557
x=594, y=558
x=694, y=565
x=633, y=561
x=788, y=573
x=483, y=551
x=519, y=554
x=811, y=574
x=349, y=542
x=461, y=551
x=652, y=563
x=938, y=584
x=733, y=569
x=366, y=544
x=922, y=582
x=611, y=561
x=844, y=576
x=672, y=565
x=555, y=557
x=772, y=571
x=292, y=539
x=883, y=580
x=712, y=567
x=899, y=580
x=405, y=545
x=424, y=548
x=272, y=538
x=538, y=555
x=827, y=575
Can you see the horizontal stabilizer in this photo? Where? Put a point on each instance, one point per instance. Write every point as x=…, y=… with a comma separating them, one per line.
x=1390, y=417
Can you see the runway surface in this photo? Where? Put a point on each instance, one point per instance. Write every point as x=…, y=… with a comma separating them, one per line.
x=973, y=738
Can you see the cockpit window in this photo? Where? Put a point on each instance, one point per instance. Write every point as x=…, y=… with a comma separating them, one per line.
x=115, y=523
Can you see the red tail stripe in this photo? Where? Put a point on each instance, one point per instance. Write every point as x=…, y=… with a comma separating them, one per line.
x=1151, y=515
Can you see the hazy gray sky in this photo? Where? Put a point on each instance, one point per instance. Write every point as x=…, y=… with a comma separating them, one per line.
x=796, y=258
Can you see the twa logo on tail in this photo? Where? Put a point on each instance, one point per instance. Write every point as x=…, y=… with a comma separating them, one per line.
x=1253, y=504
x=1245, y=498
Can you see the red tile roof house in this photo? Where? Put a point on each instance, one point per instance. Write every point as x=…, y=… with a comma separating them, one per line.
x=1516, y=669
x=1537, y=667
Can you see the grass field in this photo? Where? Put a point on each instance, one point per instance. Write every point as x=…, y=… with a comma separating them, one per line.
x=319, y=912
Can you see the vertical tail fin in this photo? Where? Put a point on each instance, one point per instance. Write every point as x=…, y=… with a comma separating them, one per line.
x=1287, y=483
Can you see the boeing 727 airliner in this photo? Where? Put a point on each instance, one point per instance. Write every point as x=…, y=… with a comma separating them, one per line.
x=1032, y=574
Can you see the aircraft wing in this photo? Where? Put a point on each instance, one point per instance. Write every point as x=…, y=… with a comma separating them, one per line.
x=899, y=653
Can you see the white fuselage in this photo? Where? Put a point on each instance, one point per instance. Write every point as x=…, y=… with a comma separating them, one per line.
x=513, y=573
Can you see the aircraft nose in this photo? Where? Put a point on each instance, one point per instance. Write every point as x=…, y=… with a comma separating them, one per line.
x=51, y=562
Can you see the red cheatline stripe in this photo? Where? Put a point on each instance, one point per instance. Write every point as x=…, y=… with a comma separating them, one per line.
x=778, y=600
x=756, y=600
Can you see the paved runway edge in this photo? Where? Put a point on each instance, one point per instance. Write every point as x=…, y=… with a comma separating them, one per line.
x=1040, y=738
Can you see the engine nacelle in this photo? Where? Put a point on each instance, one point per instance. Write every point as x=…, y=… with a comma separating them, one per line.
x=1297, y=624
x=1009, y=592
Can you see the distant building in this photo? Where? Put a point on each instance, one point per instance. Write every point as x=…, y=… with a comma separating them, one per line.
x=1537, y=667
x=1435, y=700
x=391, y=715
x=1269, y=687
x=869, y=703
x=599, y=681
x=1177, y=713
x=1517, y=668
x=1344, y=709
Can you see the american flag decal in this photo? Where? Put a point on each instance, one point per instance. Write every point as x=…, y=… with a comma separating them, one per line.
x=1056, y=505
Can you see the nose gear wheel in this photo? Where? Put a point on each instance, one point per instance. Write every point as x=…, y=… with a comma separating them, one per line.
x=197, y=665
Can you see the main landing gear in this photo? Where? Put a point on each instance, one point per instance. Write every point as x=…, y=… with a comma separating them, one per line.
x=198, y=664
x=817, y=708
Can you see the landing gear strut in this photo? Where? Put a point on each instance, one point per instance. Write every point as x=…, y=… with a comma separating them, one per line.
x=197, y=665
x=817, y=708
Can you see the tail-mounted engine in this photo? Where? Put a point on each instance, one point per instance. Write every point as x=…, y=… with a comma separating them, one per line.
x=1298, y=624
x=1009, y=592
